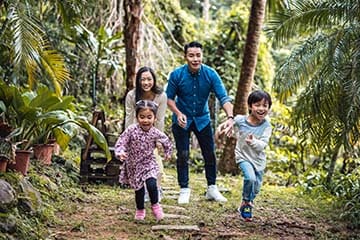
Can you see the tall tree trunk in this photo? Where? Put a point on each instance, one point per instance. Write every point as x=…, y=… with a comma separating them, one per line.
x=257, y=15
x=206, y=7
x=132, y=19
x=331, y=169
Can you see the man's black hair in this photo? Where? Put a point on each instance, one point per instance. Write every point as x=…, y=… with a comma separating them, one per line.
x=192, y=44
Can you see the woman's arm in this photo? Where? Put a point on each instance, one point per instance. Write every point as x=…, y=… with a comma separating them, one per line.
x=160, y=115
x=130, y=109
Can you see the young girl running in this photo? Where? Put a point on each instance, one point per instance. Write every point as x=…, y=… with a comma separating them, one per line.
x=136, y=146
x=146, y=88
x=253, y=133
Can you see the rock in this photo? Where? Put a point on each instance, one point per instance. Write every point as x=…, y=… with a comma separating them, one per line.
x=7, y=224
x=31, y=202
x=7, y=196
x=175, y=216
x=176, y=227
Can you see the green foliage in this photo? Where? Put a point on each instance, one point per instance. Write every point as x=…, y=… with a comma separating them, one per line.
x=347, y=187
x=27, y=55
x=321, y=69
x=224, y=49
x=55, y=184
x=41, y=114
x=320, y=78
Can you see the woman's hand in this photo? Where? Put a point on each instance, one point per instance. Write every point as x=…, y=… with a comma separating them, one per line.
x=122, y=156
x=167, y=158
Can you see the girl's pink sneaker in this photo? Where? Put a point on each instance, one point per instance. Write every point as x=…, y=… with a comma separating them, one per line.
x=157, y=211
x=140, y=214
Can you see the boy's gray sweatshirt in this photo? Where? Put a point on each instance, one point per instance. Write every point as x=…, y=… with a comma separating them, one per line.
x=254, y=152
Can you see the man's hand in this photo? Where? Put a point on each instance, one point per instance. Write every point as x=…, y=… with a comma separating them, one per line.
x=182, y=120
x=226, y=127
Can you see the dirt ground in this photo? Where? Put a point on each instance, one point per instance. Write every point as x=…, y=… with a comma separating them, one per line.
x=106, y=212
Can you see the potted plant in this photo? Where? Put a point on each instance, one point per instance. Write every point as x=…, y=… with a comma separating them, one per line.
x=7, y=148
x=10, y=158
x=42, y=114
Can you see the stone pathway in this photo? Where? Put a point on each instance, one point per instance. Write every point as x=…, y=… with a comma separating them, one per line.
x=172, y=212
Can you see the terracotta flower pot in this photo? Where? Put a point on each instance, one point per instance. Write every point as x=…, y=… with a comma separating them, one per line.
x=43, y=152
x=3, y=164
x=22, y=161
x=56, y=149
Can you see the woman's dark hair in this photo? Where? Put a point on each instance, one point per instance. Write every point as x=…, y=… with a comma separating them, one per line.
x=257, y=96
x=146, y=104
x=138, y=89
x=193, y=44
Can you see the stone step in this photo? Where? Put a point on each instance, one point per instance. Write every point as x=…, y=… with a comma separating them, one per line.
x=175, y=216
x=176, y=208
x=176, y=227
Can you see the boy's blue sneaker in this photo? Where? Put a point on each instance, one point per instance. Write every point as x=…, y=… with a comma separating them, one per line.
x=246, y=212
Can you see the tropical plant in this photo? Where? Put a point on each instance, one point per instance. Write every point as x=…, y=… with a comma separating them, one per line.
x=323, y=68
x=26, y=53
x=7, y=147
x=38, y=115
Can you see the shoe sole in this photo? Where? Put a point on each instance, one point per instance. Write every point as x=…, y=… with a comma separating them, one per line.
x=213, y=199
x=184, y=202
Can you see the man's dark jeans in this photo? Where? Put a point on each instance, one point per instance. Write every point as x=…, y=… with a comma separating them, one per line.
x=206, y=142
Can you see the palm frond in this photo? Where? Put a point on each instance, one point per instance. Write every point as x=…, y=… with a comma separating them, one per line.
x=27, y=34
x=305, y=17
x=328, y=109
x=54, y=65
x=300, y=65
x=31, y=69
x=32, y=48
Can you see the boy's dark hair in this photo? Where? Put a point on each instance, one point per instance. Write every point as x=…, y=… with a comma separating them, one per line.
x=192, y=44
x=138, y=89
x=257, y=96
x=146, y=104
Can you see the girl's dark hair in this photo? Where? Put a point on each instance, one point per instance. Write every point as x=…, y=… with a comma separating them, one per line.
x=193, y=44
x=257, y=96
x=146, y=104
x=138, y=90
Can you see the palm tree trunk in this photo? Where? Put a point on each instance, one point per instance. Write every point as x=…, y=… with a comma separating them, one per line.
x=332, y=164
x=257, y=15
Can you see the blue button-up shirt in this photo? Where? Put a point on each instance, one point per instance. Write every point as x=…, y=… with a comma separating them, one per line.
x=191, y=93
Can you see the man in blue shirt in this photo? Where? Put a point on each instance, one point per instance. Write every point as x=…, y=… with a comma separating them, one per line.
x=188, y=90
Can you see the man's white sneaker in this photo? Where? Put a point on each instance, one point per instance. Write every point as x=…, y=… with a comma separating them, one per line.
x=213, y=193
x=184, y=196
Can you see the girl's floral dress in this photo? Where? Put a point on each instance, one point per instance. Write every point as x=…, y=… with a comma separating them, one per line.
x=139, y=145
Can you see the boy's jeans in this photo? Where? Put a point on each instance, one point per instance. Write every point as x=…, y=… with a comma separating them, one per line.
x=252, y=181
